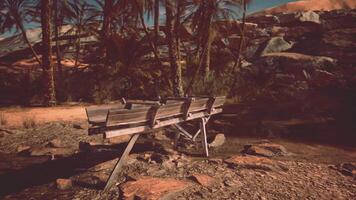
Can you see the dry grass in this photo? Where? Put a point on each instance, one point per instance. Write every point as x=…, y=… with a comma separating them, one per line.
x=3, y=119
x=29, y=122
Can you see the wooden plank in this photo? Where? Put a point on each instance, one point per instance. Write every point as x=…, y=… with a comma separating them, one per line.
x=204, y=136
x=170, y=109
x=97, y=114
x=198, y=104
x=115, y=173
x=125, y=117
x=143, y=128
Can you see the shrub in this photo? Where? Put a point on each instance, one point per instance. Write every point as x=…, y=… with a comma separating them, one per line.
x=29, y=122
x=3, y=119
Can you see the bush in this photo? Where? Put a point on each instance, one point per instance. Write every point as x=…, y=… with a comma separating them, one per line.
x=29, y=122
x=3, y=119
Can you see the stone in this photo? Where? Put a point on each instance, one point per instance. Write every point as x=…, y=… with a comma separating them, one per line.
x=219, y=140
x=64, y=184
x=277, y=149
x=152, y=188
x=203, y=179
x=23, y=148
x=258, y=151
x=276, y=44
x=251, y=162
x=263, y=20
x=56, y=143
x=310, y=17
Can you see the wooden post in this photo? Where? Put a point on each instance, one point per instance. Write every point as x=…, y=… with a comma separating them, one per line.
x=115, y=173
x=203, y=136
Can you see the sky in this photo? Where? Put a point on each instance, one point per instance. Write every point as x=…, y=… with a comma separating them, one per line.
x=256, y=5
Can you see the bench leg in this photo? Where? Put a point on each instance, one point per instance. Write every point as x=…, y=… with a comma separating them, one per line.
x=203, y=136
x=115, y=173
x=197, y=133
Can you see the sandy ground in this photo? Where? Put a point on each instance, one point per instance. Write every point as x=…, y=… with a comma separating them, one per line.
x=15, y=116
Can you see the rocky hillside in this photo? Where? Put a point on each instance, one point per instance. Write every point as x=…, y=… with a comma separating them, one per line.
x=310, y=5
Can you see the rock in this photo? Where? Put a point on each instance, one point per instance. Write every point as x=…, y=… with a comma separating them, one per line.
x=203, y=180
x=292, y=63
x=347, y=169
x=258, y=151
x=219, y=140
x=251, y=162
x=152, y=188
x=56, y=143
x=276, y=44
x=277, y=149
x=64, y=184
x=78, y=126
x=263, y=20
x=322, y=78
x=23, y=148
x=309, y=17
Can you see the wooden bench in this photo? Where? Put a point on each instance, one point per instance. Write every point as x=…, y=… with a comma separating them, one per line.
x=135, y=117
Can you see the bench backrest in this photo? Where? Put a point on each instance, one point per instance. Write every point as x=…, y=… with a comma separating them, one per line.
x=149, y=113
x=97, y=114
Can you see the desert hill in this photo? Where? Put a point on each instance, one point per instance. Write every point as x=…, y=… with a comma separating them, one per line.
x=307, y=5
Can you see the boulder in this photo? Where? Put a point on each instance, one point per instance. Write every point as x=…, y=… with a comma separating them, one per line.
x=276, y=44
x=292, y=63
x=152, y=188
x=258, y=151
x=64, y=184
x=263, y=20
x=203, y=179
x=308, y=17
x=347, y=169
x=337, y=19
x=219, y=140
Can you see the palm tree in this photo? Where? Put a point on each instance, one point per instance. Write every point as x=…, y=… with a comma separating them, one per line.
x=47, y=52
x=82, y=16
x=12, y=15
x=204, y=14
x=176, y=69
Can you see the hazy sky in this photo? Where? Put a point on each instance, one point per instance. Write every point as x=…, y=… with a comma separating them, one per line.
x=261, y=4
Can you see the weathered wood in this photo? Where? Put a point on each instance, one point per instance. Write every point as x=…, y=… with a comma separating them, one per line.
x=183, y=132
x=117, y=117
x=115, y=173
x=97, y=114
x=199, y=130
x=143, y=128
x=198, y=104
x=204, y=136
x=170, y=109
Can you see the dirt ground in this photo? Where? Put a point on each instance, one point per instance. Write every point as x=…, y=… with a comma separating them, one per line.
x=16, y=115
x=32, y=159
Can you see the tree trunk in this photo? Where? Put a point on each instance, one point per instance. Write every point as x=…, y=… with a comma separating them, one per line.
x=106, y=25
x=238, y=62
x=156, y=23
x=57, y=25
x=47, y=53
x=176, y=70
x=152, y=44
